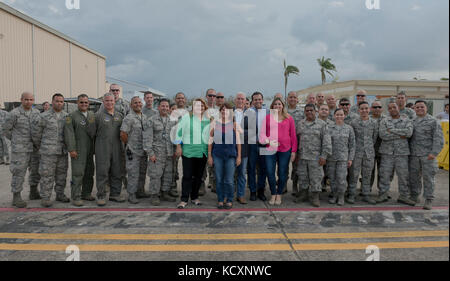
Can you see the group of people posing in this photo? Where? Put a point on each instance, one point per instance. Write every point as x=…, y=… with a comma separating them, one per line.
x=236, y=146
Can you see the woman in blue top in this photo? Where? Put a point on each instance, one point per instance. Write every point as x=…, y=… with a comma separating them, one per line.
x=224, y=152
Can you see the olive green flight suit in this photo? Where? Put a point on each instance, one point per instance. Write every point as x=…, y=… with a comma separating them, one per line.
x=77, y=138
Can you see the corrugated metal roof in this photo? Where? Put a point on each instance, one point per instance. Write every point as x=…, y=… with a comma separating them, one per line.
x=47, y=28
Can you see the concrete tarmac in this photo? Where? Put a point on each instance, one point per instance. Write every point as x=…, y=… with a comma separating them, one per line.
x=252, y=232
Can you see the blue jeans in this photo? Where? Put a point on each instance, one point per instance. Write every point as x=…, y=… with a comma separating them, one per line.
x=224, y=170
x=253, y=159
x=241, y=172
x=283, y=167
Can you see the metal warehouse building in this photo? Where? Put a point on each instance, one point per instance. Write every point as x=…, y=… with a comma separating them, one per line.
x=41, y=60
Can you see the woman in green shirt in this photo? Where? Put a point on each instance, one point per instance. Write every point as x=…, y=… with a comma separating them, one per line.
x=192, y=145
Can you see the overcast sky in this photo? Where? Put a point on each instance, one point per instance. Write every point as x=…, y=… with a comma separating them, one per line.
x=233, y=45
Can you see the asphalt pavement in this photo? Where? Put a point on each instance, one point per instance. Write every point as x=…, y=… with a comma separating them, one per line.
x=252, y=232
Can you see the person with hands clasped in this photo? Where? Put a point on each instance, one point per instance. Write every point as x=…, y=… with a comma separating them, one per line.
x=343, y=153
x=224, y=152
x=278, y=133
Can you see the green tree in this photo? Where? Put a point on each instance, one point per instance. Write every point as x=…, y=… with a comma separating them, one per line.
x=290, y=69
x=326, y=67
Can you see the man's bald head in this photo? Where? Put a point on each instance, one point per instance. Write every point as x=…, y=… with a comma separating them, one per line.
x=27, y=100
x=311, y=99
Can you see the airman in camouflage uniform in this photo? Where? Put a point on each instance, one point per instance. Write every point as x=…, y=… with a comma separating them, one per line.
x=81, y=148
x=344, y=103
x=108, y=151
x=297, y=115
x=160, y=151
x=366, y=134
x=360, y=97
x=425, y=144
x=315, y=148
x=48, y=135
x=123, y=107
x=343, y=152
x=324, y=112
x=394, y=132
x=376, y=114
x=148, y=111
x=331, y=102
x=401, y=101
x=4, y=146
x=131, y=135
x=17, y=128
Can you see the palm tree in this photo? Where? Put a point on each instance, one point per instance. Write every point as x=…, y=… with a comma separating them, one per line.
x=290, y=69
x=326, y=66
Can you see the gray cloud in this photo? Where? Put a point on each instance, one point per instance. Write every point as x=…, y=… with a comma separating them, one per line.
x=234, y=45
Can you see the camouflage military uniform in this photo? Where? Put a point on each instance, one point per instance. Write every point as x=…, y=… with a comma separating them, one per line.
x=298, y=115
x=48, y=135
x=377, y=155
x=354, y=109
x=108, y=153
x=349, y=118
x=149, y=112
x=366, y=134
x=427, y=139
x=77, y=138
x=343, y=150
x=408, y=112
x=136, y=164
x=157, y=143
x=394, y=152
x=331, y=114
x=17, y=128
x=315, y=143
x=325, y=177
x=4, y=146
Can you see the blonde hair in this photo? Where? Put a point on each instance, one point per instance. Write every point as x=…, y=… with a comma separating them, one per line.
x=283, y=112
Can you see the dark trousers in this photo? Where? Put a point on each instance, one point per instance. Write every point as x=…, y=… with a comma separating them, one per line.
x=255, y=158
x=192, y=177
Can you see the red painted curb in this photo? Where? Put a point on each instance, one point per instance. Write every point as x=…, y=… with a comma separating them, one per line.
x=102, y=210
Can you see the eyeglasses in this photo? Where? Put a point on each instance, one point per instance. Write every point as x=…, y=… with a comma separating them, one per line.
x=115, y=90
x=361, y=96
x=377, y=107
x=211, y=96
x=345, y=104
x=219, y=97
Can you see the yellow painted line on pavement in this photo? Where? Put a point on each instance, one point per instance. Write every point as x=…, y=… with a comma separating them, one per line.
x=236, y=236
x=380, y=245
x=224, y=247
x=434, y=233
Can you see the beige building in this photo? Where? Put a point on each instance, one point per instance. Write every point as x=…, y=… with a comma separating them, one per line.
x=36, y=58
x=434, y=91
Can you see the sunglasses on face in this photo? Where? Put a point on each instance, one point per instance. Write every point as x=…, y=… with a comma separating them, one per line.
x=220, y=97
x=115, y=90
x=360, y=96
x=345, y=104
x=211, y=96
x=377, y=107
